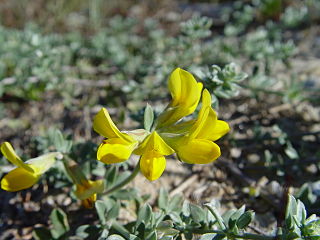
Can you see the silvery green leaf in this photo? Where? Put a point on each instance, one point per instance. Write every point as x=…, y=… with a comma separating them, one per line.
x=226, y=216
x=301, y=212
x=290, y=212
x=104, y=234
x=212, y=236
x=185, y=208
x=165, y=224
x=60, y=223
x=197, y=213
x=208, y=236
x=166, y=228
x=152, y=236
x=113, y=212
x=163, y=199
x=245, y=219
x=166, y=238
x=115, y=237
x=144, y=214
x=291, y=152
x=148, y=117
x=175, y=217
x=235, y=216
x=88, y=231
x=101, y=210
x=125, y=194
x=175, y=203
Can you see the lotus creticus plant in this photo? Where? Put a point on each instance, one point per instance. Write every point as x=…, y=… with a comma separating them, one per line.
x=26, y=174
x=192, y=140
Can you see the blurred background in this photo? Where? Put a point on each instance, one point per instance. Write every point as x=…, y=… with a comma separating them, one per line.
x=62, y=60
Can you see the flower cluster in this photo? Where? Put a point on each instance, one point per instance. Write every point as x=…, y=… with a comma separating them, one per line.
x=192, y=140
x=26, y=173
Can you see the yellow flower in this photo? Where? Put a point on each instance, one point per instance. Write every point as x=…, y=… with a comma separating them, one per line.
x=87, y=191
x=118, y=146
x=26, y=173
x=152, y=151
x=192, y=140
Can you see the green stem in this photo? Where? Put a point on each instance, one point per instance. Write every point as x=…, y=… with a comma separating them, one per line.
x=216, y=216
x=126, y=180
x=256, y=236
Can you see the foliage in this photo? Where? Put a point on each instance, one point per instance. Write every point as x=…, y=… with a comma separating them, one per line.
x=178, y=219
x=124, y=61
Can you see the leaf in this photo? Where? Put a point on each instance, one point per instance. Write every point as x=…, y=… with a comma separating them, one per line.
x=175, y=217
x=101, y=209
x=152, y=236
x=290, y=212
x=301, y=212
x=144, y=214
x=175, y=204
x=120, y=229
x=88, y=231
x=166, y=238
x=111, y=175
x=291, y=152
x=165, y=225
x=166, y=228
x=115, y=237
x=197, y=213
x=185, y=209
x=60, y=143
x=125, y=194
x=245, y=219
x=163, y=199
x=113, y=212
x=238, y=212
x=104, y=234
x=148, y=117
x=41, y=233
x=210, y=236
x=60, y=223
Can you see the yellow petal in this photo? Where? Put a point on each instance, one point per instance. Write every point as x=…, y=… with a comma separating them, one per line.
x=155, y=144
x=43, y=163
x=9, y=153
x=152, y=165
x=184, y=88
x=103, y=124
x=198, y=151
x=18, y=179
x=89, y=188
x=174, y=85
x=214, y=131
x=89, y=202
x=185, y=92
x=206, y=99
x=199, y=125
x=207, y=125
x=115, y=150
